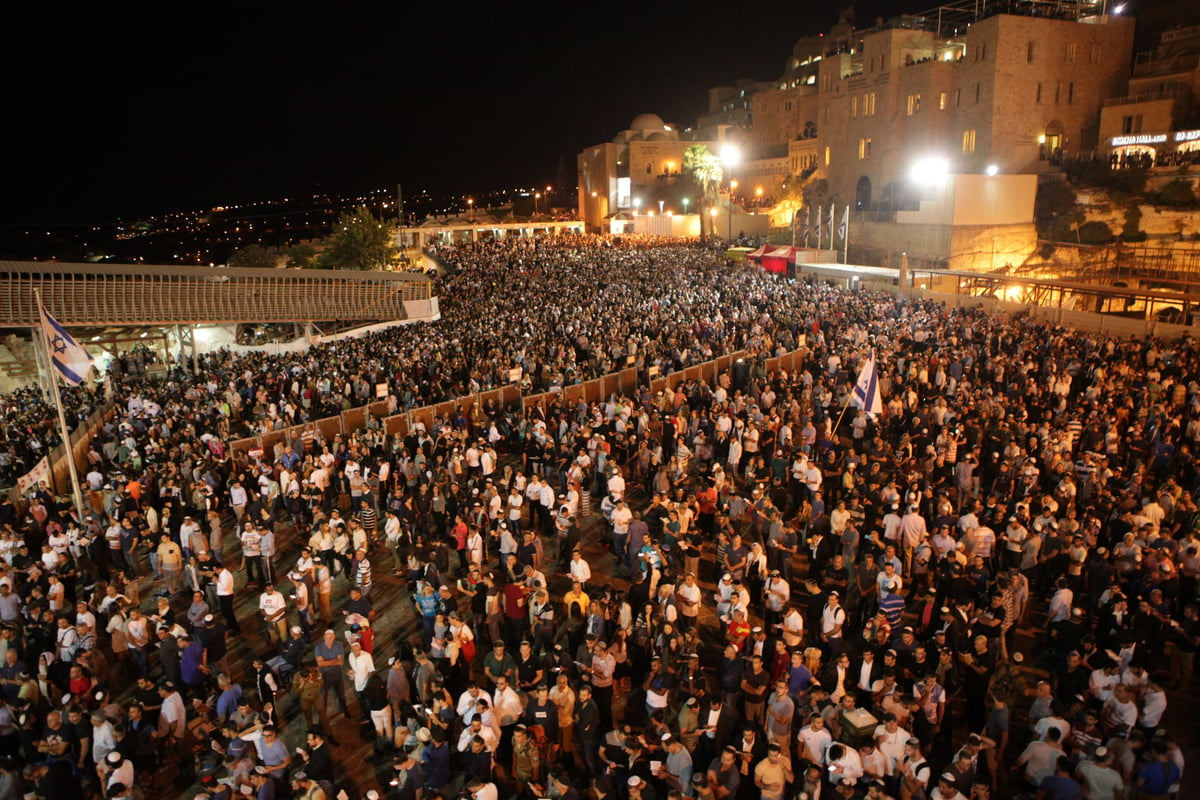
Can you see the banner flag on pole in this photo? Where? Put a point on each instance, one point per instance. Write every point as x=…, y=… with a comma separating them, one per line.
x=866, y=389
x=31, y=479
x=832, y=212
x=845, y=226
x=820, y=215
x=67, y=355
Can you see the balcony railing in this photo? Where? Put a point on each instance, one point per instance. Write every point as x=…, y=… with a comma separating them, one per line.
x=1162, y=94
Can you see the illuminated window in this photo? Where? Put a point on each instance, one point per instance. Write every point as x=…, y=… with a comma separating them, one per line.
x=827, y=156
x=968, y=141
x=864, y=148
x=1069, y=53
x=942, y=101
x=854, y=107
x=914, y=104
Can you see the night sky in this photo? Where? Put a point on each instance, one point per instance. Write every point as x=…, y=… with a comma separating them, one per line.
x=118, y=114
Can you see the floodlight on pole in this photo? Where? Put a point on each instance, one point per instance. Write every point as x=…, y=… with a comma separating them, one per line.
x=730, y=156
x=930, y=170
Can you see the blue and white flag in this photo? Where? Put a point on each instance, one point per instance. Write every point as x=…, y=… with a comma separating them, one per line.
x=845, y=226
x=866, y=389
x=67, y=355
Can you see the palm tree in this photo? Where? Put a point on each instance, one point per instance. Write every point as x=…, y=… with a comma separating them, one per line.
x=705, y=169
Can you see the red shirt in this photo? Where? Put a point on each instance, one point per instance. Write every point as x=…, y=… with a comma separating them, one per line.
x=514, y=600
x=739, y=632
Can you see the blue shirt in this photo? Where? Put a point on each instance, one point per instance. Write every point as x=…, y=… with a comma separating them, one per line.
x=189, y=663
x=227, y=702
x=428, y=605
x=799, y=679
x=1061, y=787
x=893, y=608
x=1157, y=777
x=436, y=761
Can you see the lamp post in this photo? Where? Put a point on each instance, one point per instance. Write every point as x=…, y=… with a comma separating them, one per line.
x=730, y=156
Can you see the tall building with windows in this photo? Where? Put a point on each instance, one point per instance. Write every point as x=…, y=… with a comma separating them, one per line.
x=1019, y=93
x=963, y=87
x=1157, y=123
x=639, y=167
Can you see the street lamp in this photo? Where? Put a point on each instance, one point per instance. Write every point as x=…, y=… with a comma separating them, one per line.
x=730, y=156
x=685, y=205
x=470, y=205
x=536, y=195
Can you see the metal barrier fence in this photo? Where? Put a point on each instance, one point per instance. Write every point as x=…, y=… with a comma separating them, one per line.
x=505, y=397
x=81, y=441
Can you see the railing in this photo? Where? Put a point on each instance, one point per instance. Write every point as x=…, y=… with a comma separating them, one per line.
x=81, y=440
x=91, y=294
x=1165, y=66
x=1162, y=94
x=504, y=397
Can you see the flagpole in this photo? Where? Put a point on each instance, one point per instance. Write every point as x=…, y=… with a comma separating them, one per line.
x=832, y=227
x=846, y=239
x=62, y=418
x=849, y=400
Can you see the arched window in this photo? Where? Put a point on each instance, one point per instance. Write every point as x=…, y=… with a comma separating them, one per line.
x=810, y=130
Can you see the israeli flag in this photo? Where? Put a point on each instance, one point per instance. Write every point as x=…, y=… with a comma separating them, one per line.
x=866, y=389
x=67, y=355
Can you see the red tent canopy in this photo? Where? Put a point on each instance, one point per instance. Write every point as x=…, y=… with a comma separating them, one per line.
x=775, y=259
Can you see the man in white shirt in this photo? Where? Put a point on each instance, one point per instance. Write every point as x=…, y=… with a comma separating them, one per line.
x=833, y=617
x=776, y=593
x=1060, y=603
x=361, y=666
x=687, y=600
x=890, y=738
x=814, y=740
x=622, y=515
x=172, y=718
x=506, y=703
x=273, y=606
x=238, y=499
x=792, y=627
x=616, y=486
x=474, y=729
x=579, y=570
x=225, y=589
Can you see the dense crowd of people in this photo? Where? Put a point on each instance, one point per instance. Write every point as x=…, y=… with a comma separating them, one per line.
x=31, y=427
x=721, y=590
